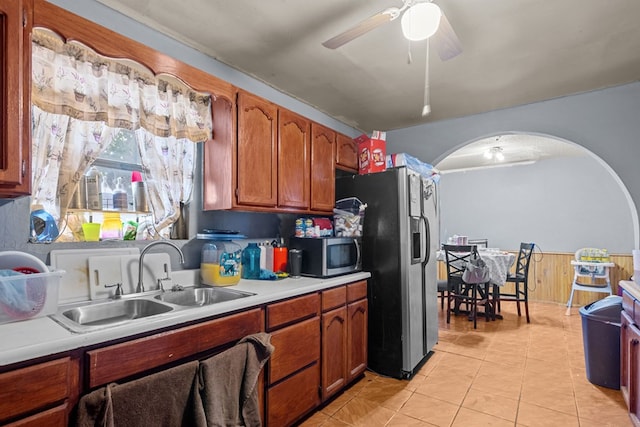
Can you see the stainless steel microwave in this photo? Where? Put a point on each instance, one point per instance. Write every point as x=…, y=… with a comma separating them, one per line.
x=328, y=256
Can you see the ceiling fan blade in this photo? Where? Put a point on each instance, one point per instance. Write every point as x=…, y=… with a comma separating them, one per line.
x=445, y=40
x=361, y=28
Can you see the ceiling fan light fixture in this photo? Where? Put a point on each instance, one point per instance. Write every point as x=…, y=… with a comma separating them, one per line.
x=421, y=21
x=494, y=153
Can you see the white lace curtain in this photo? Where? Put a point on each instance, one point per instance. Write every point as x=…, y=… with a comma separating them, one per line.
x=81, y=100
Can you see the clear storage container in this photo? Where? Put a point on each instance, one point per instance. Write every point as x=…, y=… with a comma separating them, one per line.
x=27, y=296
x=221, y=263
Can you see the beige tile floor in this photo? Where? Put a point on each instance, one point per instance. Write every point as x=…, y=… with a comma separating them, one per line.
x=505, y=373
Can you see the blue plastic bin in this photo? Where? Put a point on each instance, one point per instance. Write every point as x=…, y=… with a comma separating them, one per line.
x=601, y=339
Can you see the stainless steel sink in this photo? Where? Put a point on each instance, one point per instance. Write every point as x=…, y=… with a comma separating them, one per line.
x=201, y=296
x=94, y=316
x=111, y=313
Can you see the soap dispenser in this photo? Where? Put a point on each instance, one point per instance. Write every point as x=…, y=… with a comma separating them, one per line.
x=119, y=196
x=107, y=195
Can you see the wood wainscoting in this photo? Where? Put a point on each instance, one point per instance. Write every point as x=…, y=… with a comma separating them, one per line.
x=551, y=274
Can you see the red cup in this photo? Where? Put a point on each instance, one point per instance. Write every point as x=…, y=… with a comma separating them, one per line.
x=279, y=259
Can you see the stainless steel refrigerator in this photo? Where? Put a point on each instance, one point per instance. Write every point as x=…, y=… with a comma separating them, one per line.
x=399, y=244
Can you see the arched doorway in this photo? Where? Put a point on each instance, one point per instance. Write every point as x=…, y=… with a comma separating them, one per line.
x=553, y=192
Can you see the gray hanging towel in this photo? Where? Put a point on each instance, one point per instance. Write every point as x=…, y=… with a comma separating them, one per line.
x=228, y=382
x=162, y=399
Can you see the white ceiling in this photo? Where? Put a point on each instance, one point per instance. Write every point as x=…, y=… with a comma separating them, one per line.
x=514, y=52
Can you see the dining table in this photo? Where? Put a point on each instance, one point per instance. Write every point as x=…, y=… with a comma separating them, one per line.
x=499, y=263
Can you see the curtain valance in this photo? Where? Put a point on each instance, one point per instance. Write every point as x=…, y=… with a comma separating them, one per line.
x=70, y=78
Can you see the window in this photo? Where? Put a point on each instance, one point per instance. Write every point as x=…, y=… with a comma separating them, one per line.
x=91, y=111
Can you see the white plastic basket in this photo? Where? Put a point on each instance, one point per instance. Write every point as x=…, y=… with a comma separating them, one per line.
x=27, y=296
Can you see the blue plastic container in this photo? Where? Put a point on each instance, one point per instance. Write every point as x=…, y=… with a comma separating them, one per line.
x=43, y=226
x=251, y=262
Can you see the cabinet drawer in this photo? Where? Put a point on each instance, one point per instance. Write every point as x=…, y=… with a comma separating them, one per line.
x=118, y=361
x=33, y=387
x=288, y=401
x=296, y=346
x=283, y=313
x=333, y=298
x=356, y=291
x=56, y=417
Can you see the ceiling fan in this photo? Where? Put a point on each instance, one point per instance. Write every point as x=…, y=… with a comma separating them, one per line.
x=420, y=20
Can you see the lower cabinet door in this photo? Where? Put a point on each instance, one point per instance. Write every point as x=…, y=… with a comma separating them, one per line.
x=357, y=339
x=625, y=355
x=294, y=397
x=334, y=351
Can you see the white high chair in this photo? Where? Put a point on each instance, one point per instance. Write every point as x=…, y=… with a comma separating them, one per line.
x=592, y=269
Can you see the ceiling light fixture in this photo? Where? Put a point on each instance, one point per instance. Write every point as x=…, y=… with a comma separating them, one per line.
x=421, y=21
x=494, y=153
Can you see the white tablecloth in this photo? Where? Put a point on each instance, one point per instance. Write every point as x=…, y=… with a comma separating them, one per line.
x=498, y=262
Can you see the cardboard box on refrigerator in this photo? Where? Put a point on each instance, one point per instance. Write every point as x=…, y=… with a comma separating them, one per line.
x=371, y=152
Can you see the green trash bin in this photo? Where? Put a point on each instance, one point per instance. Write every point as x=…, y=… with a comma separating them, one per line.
x=601, y=339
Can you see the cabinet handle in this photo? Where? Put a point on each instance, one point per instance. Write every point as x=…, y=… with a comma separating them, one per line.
x=24, y=168
x=635, y=341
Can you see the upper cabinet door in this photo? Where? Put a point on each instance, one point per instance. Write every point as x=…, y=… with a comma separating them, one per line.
x=346, y=153
x=323, y=171
x=257, y=151
x=293, y=160
x=15, y=166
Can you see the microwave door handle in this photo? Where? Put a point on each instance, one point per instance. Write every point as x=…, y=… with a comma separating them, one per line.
x=357, y=251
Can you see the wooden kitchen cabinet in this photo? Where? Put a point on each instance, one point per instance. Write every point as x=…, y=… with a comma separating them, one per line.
x=357, y=339
x=293, y=373
x=257, y=155
x=282, y=162
x=15, y=123
x=294, y=134
x=323, y=171
x=630, y=357
x=334, y=341
x=344, y=336
x=38, y=394
x=346, y=153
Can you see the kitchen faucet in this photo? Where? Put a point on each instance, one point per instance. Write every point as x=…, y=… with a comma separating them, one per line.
x=140, y=287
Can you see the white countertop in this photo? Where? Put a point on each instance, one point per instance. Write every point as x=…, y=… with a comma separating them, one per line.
x=43, y=336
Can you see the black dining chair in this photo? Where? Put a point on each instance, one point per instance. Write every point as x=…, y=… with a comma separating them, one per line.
x=520, y=280
x=479, y=242
x=443, y=289
x=460, y=292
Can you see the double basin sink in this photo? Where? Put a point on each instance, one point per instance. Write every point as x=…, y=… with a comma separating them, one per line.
x=89, y=317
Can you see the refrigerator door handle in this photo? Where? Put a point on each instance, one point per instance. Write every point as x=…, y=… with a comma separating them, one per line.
x=427, y=241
